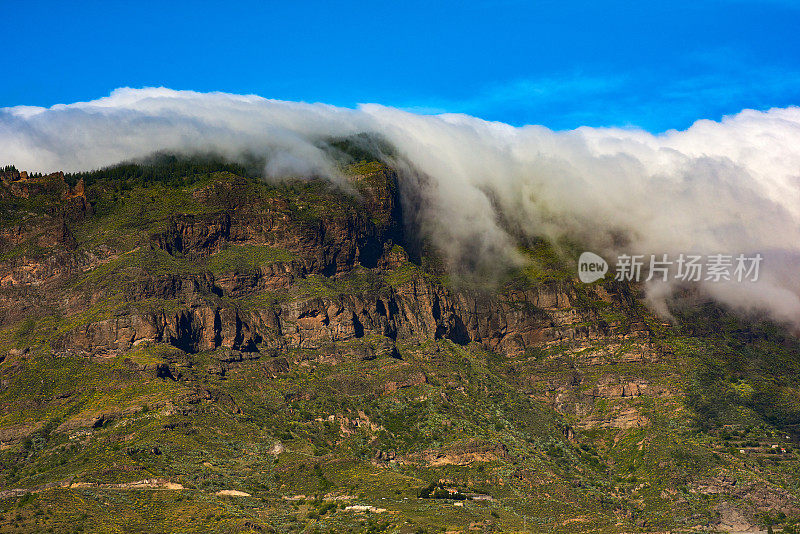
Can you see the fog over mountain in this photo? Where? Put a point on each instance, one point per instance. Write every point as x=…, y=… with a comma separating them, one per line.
x=477, y=187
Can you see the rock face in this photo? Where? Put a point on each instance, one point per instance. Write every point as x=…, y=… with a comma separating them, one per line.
x=20, y=185
x=359, y=235
x=342, y=278
x=316, y=267
x=417, y=309
x=343, y=275
x=355, y=232
x=295, y=311
x=465, y=454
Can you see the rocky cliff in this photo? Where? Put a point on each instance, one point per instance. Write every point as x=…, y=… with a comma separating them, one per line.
x=225, y=334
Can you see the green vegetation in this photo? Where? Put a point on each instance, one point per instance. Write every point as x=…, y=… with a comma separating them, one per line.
x=350, y=410
x=745, y=373
x=244, y=258
x=162, y=169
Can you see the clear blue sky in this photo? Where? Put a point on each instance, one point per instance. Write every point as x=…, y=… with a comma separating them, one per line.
x=559, y=63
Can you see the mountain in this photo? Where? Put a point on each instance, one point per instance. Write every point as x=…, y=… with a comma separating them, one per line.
x=186, y=347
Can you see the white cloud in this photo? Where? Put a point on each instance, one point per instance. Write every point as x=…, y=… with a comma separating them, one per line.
x=718, y=187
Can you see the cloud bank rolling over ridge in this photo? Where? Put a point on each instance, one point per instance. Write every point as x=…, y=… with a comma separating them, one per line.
x=725, y=187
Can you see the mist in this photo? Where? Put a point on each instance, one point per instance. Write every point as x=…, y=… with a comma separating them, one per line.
x=478, y=188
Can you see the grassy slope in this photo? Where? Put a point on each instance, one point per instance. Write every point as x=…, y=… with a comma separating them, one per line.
x=211, y=433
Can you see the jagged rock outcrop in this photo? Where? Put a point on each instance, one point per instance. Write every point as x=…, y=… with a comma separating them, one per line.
x=359, y=232
x=418, y=309
x=74, y=205
x=349, y=234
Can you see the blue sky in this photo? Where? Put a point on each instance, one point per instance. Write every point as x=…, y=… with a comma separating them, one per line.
x=563, y=64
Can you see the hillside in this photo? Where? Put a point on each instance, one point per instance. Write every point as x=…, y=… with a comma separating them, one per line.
x=186, y=347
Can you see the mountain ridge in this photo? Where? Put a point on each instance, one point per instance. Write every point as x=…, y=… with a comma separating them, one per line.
x=282, y=334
